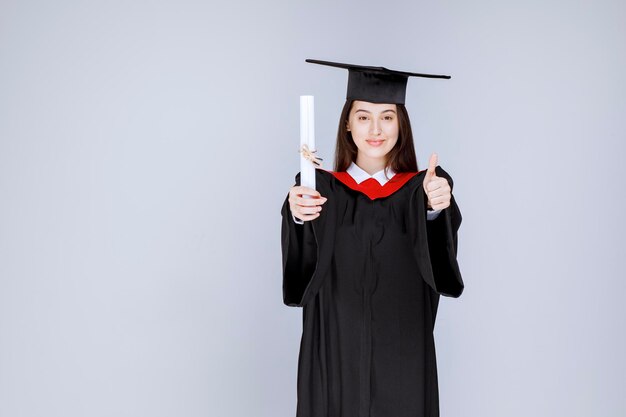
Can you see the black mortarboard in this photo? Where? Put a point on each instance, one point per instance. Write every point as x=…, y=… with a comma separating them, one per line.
x=375, y=84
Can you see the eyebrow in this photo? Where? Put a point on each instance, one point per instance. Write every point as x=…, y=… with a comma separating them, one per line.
x=366, y=111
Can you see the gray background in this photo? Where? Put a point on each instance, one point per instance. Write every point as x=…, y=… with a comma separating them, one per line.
x=146, y=149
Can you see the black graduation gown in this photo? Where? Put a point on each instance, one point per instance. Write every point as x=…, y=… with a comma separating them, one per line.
x=368, y=275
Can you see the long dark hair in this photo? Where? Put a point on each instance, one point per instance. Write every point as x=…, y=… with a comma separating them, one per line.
x=401, y=158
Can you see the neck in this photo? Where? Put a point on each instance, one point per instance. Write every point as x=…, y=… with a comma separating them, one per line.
x=370, y=165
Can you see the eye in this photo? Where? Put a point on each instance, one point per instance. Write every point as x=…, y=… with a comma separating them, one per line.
x=388, y=117
x=362, y=117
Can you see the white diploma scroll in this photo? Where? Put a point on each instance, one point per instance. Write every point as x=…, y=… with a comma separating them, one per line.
x=307, y=137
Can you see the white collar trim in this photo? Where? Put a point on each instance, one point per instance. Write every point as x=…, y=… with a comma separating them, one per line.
x=361, y=175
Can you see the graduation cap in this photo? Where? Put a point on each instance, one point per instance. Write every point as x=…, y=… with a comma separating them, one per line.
x=376, y=84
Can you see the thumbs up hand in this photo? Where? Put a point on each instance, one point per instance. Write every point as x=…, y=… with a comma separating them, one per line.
x=436, y=188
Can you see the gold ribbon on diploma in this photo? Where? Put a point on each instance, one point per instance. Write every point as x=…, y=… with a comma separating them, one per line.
x=310, y=155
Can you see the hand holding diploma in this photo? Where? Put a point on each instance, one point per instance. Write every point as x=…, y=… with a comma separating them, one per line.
x=436, y=188
x=305, y=208
x=305, y=202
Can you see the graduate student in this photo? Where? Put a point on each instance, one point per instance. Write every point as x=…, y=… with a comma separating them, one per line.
x=367, y=258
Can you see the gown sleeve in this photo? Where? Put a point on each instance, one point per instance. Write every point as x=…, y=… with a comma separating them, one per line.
x=435, y=242
x=306, y=248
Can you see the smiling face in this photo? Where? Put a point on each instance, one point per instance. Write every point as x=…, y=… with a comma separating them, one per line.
x=374, y=129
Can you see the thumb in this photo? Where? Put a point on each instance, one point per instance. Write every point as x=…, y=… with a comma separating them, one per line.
x=430, y=173
x=431, y=166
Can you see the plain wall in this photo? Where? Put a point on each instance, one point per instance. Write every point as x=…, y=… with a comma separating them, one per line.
x=146, y=149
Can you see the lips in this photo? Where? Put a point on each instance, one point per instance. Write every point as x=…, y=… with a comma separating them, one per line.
x=375, y=142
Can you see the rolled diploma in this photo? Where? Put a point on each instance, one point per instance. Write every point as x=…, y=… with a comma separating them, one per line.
x=307, y=136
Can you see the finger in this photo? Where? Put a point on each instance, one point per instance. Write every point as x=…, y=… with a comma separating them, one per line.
x=297, y=190
x=435, y=194
x=309, y=201
x=439, y=192
x=432, y=186
x=437, y=183
x=309, y=210
x=301, y=199
x=301, y=190
x=430, y=172
x=432, y=164
x=441, y=206
x=439, y=200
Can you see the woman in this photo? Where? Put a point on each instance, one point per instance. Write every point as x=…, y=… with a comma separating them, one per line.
x=368, y=258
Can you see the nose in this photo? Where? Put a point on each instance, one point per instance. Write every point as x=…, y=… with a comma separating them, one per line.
x=375, y=127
